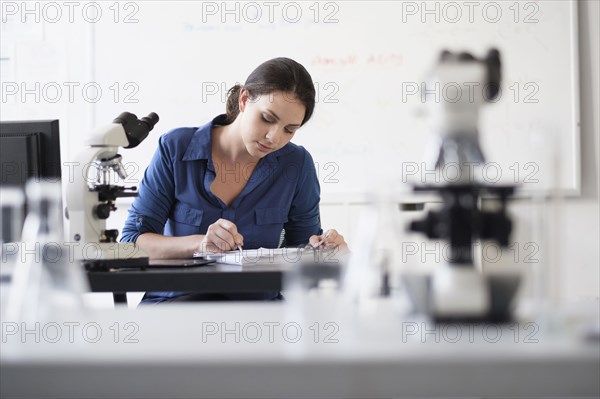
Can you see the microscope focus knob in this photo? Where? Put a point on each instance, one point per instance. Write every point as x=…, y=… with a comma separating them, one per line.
x=431, y=226
x=111, y=235
x=103, y=211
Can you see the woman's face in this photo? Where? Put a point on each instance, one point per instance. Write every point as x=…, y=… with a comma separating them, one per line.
x=269, y=121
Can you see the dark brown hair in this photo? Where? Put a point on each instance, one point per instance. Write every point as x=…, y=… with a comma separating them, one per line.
x=279, y=74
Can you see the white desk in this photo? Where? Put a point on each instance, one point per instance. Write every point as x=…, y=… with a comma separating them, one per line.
x=379, y=354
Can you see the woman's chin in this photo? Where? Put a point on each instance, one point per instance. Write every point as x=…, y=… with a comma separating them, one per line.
x=256, y=154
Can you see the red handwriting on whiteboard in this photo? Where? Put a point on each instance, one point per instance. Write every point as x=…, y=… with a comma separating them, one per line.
x=387, y=59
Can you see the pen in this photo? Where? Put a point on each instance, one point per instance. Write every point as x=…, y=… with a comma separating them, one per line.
x=323, y=239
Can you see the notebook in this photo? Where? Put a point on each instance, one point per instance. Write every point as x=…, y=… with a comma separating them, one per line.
x=260, y=256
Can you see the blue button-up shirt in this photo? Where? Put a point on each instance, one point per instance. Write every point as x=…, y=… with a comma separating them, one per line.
x=174, y=196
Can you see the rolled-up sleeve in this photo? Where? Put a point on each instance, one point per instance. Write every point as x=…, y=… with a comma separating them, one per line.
x=151, y=207
x=304, y=219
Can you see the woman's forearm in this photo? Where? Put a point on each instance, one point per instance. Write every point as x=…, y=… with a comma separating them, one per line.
x=158, y=246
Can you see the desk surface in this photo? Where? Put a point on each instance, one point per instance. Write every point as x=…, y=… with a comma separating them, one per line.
x=255, y=350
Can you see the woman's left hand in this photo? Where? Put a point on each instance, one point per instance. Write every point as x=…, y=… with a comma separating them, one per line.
x=329, y=239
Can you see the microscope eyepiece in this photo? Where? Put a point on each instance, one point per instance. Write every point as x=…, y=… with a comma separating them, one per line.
x=150, y=120
x=136, y=129
x=494, y=74
x=124, y=118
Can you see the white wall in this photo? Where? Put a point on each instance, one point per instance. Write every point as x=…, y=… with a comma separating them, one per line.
x=567, y=230
x=578, y=238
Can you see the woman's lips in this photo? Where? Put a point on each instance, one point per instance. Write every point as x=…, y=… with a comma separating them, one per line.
x=263, y=148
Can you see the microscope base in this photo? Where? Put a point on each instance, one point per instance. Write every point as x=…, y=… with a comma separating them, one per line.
x=90, y=251
x=459, y=290
x=501, y=287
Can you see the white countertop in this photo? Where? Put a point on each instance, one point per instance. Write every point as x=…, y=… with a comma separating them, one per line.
x=255, y=350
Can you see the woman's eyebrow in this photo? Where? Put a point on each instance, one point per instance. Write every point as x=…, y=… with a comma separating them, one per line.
x=277, y=117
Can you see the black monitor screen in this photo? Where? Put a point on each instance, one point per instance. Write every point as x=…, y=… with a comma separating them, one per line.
x=29, y=149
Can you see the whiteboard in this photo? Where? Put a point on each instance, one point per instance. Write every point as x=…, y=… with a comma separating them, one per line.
x=179, y=58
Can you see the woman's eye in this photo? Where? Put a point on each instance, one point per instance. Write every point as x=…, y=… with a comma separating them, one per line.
x=290, y=131
x=264, y=118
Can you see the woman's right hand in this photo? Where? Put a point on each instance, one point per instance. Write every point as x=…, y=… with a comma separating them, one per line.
x=221, y=236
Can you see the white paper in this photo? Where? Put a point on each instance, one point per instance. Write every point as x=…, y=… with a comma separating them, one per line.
x=255, y=256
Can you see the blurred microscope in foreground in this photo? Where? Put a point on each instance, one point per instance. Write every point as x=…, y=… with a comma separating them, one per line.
x=456, y=290
x=91, y=199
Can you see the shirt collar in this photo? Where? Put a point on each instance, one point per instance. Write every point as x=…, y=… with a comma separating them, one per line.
x=200, y=146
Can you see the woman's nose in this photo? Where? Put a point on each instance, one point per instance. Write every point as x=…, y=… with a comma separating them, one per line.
x=274, y=136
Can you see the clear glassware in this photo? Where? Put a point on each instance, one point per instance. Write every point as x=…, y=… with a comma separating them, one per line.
x=12, y=201
x=375, y=264
x=46, y=279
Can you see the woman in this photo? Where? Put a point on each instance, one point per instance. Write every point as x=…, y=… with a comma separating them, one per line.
x=236, y=180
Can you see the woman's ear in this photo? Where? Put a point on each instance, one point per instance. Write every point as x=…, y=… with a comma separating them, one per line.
x=243, y=99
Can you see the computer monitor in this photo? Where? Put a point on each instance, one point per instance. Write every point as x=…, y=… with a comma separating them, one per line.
x=29, y=149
